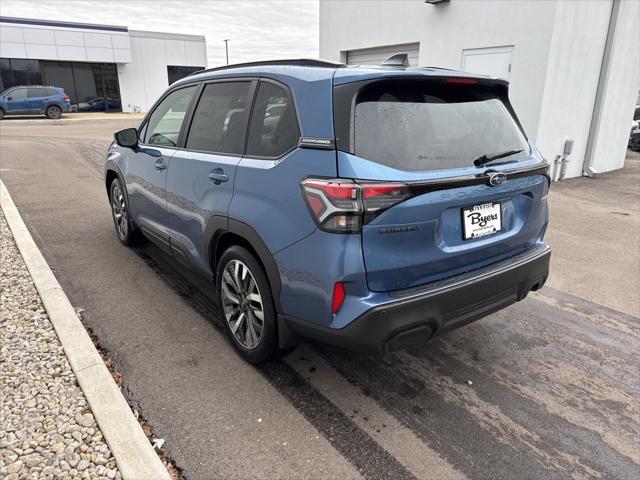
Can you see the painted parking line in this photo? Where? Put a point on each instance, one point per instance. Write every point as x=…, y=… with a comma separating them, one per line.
x=368, y=415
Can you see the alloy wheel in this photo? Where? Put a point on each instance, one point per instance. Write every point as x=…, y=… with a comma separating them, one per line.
x=119, y=210
x=54, y=113
x=242, y=304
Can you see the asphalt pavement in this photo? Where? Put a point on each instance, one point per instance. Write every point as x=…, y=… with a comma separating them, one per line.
x=547, y=388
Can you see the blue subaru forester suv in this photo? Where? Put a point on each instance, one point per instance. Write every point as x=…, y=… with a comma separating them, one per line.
x=34, y=99
x=366, y=207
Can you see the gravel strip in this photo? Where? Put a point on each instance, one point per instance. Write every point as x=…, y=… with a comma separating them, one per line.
x=47, y=430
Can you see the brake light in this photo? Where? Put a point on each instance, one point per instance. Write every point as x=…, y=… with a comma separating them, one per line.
x=66, y=98
x=343, y=206
x=338, y=297
x=460, y=81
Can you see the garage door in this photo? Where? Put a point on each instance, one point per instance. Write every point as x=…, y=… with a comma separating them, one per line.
x=377, y=55
x=495, y=61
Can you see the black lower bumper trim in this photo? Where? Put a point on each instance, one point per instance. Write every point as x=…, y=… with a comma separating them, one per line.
x=431, y=310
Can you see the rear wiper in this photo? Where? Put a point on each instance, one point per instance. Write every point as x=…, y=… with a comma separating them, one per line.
x=484, y=159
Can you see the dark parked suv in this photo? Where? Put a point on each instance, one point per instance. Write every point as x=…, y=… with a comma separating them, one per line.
x=34, y=99
x=366, y=207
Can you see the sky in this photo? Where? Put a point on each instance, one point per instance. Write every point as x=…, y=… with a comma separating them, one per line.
x=257, y=30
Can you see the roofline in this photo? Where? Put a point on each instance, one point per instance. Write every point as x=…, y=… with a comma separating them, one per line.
x=299, y=62
x=177, y=36
x=56, y=23
x=34, y=86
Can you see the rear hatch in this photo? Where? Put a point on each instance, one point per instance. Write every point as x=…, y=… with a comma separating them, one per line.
x=462, y=186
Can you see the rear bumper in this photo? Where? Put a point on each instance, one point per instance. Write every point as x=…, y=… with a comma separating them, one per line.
x=416, y=315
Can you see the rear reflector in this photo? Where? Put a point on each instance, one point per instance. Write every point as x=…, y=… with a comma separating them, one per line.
x=338, y=297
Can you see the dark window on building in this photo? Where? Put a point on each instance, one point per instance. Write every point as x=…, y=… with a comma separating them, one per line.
x=177, y=72
x=274, y=128
x=86, y=87
x=17, y=71
x=166, y=120
x=220, y=118
x=60, y=74
x=91, y=87
x=6, y=77
x=26, y=72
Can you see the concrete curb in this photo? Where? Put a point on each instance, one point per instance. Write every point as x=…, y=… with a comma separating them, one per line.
x=136, y=458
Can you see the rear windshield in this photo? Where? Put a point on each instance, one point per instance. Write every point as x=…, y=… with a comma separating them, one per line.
x=418, y=125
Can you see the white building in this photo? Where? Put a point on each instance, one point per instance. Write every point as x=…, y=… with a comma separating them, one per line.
x=101, y=67
x=574, y=66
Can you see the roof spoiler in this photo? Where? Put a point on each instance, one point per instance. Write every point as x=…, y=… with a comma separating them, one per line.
x=397, y=60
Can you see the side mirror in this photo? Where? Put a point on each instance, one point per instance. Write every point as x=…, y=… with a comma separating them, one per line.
x=9, y=98
x=127, y=138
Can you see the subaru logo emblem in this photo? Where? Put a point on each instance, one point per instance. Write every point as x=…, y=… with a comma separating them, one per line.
x=496, y=179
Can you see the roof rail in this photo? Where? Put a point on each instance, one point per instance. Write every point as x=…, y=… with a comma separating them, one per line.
x=298, y=62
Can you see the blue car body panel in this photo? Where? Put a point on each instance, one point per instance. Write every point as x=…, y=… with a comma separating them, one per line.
x=181, y=206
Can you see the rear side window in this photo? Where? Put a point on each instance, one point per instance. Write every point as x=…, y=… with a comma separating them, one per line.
x=220, y=119
x=420, y=126
x=274, y=128
x=166, y=120
x=37, y=92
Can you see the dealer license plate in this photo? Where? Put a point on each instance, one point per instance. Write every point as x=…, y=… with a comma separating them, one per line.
x=481, y=220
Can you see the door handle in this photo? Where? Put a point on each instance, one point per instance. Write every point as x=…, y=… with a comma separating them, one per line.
x=218, y=176
x=160, y=165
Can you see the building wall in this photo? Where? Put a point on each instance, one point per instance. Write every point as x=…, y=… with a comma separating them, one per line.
x=557, y=55
x=144, y=79
x=575, y=58
x=49, y=42
x=621, y=91
x=141, y=57
x=444, y=31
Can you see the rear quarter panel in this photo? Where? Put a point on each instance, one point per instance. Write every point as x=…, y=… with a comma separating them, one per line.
x=267, y=193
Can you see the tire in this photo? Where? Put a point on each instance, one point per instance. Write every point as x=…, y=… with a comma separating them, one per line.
x=1, y=114
x=54, y=112
x=254, y=339
x=126, y=230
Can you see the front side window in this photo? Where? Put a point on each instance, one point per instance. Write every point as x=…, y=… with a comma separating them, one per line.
x=166, y=120
x=421, y=126
x=17, y=94
x=274, y=128
x=219, y=120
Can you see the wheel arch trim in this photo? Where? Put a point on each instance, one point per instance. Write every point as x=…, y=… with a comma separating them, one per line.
x=112, y=166
x=217, y=227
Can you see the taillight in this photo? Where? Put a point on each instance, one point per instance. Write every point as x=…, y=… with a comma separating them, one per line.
x=66, y=98
x=380, y=196
x=343, y=206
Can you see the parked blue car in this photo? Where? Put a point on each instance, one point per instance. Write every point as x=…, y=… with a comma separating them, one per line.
x=366, y=207
x=34, y=99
